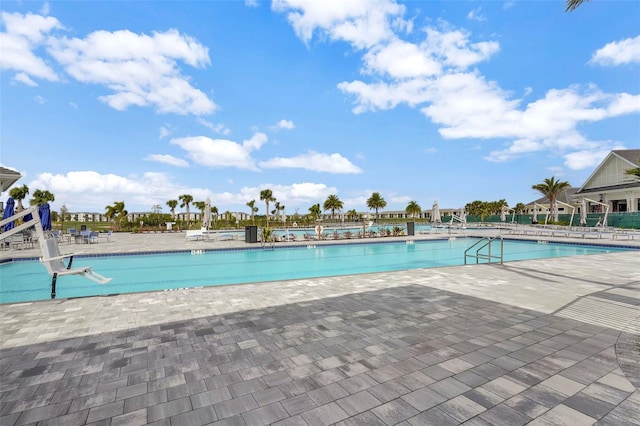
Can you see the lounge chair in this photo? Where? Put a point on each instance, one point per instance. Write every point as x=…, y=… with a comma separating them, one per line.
x=54, y=262
x=196, y=235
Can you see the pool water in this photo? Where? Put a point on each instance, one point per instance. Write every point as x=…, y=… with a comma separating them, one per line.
x=28, y=280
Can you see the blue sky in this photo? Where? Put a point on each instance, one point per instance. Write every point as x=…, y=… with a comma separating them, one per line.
x=449, y=101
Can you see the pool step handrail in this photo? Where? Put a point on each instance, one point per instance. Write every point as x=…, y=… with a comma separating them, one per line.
x=264, y=242
x=488, y=241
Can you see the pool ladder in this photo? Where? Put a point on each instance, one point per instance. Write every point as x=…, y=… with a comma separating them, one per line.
x=488, y=242
x=267, y=244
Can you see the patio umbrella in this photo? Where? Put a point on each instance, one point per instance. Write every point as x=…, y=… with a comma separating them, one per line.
x=45, y=216
x=8, y=212
x=583, y=212
x=206, y=219
x=534, y=219
x=435, y=213
x=503, y=215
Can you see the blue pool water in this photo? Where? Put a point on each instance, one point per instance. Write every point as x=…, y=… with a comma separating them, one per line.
x=28, y=280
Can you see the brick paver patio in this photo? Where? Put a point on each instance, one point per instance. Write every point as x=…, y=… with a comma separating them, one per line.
x=523, y=343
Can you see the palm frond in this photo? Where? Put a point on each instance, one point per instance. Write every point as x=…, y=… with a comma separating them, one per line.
x=573, y=5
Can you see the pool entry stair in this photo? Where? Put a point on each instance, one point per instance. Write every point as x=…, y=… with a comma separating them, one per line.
x=489, y=255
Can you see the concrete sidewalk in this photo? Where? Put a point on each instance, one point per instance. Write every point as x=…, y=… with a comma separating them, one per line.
x=551, y=341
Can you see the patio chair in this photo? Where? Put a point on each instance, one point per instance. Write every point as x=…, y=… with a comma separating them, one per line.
x=85, y=236
x=106, y=236
x=54, y=262
x=93, y=237
x=57, y=236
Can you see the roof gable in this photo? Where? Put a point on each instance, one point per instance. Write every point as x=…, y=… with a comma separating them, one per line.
x=611, y=172
x=566, y=196
x=631, y=155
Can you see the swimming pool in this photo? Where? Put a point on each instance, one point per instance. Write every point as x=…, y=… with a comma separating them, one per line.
x=27, y=280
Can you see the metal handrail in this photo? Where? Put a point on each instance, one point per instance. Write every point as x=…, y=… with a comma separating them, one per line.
x=487, y=243
x=264, y=242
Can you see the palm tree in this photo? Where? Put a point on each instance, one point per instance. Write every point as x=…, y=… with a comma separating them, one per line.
x=200, y=205
x=276, y=209
x=267, y=196
x=633, y=172
x=551, y=188
x=413, y=208
x=520, y=208
x=186, y=200
x=333, y=203
x=19, y=193
x=315, y=211
x=478, y=209
x=41, y=197
x=495, y=207
x=252, y=205
x=172, y=205
x=352, y=214
x=214, y=213
x=116, y=212
x=376, y=202
x=573, y=5
x=63, y=214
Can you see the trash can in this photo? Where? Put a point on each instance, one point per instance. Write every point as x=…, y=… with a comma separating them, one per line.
x=250, y=234
x=411, y=228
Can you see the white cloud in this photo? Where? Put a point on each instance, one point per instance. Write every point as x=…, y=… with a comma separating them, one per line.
x=400, y=59
x=476, y=15
x=23, y=35
x=44, y=10
x=216, y=128
x=556, y=171
x=623, y=103
x=251, y=3
x=222, y=152
x=466, y=105
x=359, y=201
x=436, y=75
x=167, y=159
x=165, y=131
x=24, y=79
x=40, y=100
x=296, y=194
x=328, y=163
x=589, y=158
x=140, y=70
x=453, y=48
x=92, y=191
x=618, y=52
x=284, y=124
x=363, y=23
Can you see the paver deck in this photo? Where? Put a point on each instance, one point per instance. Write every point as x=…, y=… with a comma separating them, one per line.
x=553, y=341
